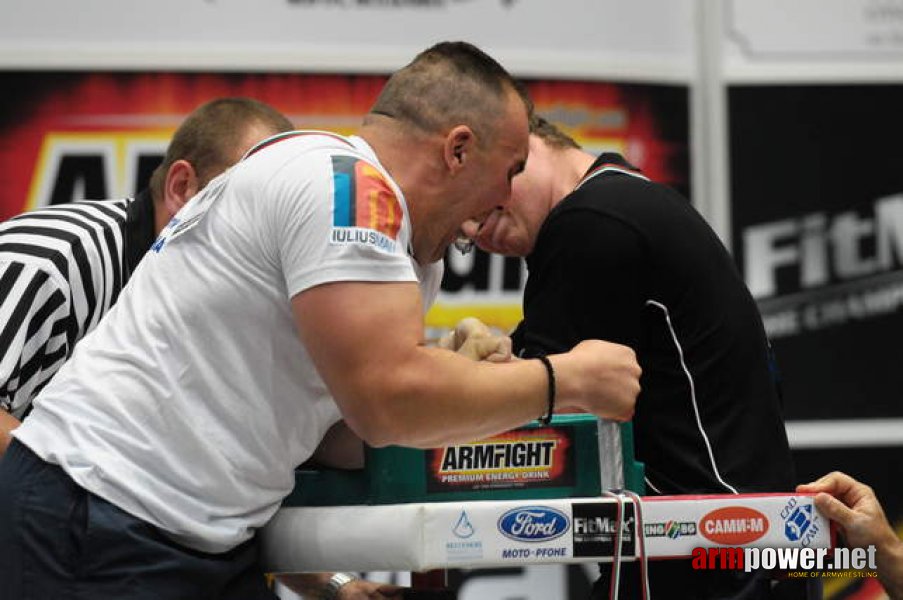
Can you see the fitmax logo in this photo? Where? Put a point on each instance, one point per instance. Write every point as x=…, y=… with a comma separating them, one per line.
x=824, y=247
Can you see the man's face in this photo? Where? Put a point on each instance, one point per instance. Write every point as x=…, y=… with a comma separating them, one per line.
x=485, y=184
x=512, y=230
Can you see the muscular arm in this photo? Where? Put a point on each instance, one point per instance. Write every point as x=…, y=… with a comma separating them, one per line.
x=342, y=449
x=365, y=341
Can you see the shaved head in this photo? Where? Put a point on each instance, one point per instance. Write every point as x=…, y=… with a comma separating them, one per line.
x=449, y=84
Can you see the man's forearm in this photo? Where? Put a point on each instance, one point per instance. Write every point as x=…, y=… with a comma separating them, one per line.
x=7, y=424
x=890, y=569
x=393, y=390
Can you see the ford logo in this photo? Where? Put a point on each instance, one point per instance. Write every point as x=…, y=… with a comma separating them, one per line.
x=533, y=524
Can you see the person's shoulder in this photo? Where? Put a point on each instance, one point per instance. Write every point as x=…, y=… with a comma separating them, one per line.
x=95, y=213
x=299, y=144
x=299, y=157
x=56, y=234
x=614, y=195
x=612, y=172
x=352, y=167
x=622, y=191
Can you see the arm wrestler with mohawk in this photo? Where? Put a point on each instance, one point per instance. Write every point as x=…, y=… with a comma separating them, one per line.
x=288, y=295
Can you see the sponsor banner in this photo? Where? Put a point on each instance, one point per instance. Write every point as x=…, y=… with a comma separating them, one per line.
x=532, y=528
x=497, y=533
x=802, y=523
x=466, y=545
x=516, y=459
x=817, y=210
x=733, y=525
x=596, y=525
x=533, y=524
x=670, y=529
x=493, y=533
x=71, y=136
x=676, y=525
x=819, y=243
x=74, y=136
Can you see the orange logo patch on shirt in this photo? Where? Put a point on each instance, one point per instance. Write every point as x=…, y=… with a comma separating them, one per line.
x=363, y=198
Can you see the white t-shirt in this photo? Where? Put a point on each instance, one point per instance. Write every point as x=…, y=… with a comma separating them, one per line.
x=194, y=399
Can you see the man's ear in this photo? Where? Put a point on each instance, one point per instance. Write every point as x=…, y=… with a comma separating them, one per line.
x=181, y=184
x=459, y=143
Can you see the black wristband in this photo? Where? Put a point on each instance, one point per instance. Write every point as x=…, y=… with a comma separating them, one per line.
x=547, y=418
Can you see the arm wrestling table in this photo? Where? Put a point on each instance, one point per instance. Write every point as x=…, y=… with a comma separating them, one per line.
x=533, y=495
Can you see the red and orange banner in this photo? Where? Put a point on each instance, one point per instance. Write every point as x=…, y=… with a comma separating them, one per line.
x=73, y=136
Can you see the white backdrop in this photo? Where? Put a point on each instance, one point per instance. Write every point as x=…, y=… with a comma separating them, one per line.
x=813, y=40
x=641, y=39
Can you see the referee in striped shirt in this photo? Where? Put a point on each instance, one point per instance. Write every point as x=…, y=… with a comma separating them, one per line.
x=62, y=267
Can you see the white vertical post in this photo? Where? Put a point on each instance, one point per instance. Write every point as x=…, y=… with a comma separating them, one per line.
x=708, y=121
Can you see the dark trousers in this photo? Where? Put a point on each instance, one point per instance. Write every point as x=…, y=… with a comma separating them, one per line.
x=59, y=541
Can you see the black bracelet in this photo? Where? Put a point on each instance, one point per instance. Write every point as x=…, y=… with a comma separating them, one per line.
x=547, y=418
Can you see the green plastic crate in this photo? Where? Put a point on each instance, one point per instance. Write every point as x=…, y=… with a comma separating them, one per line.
x=536, y=461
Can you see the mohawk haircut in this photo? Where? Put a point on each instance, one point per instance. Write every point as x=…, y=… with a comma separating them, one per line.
x=451, y=83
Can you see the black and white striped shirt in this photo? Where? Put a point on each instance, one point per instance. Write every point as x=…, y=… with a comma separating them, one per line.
x=61, y=270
